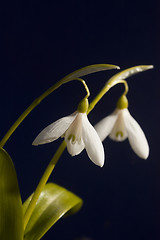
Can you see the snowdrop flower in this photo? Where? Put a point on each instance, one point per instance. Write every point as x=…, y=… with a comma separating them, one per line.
x=78, y=134
x=121, y=125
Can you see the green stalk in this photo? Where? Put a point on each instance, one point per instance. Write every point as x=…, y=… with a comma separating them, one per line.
x=55, y=159
x=112, y=82
x=70, y=77
x=104, y=90
x=36, y=102
x=119, y=78
x=42, y=182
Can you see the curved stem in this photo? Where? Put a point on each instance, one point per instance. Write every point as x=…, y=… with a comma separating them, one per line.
x=87, y=89
x=70, y=77
x=104, y=90
x=42, y=182
x=47, y=172
x=85, y=86
x=36, y=102
x=60, y=150
x=112, y=82
x=126, y=86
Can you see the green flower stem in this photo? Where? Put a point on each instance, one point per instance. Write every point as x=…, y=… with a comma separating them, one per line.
x=42, y=182
x=59, y=152
x=37, y=102
x=111, y=82
x=118, y=78
x=70, y=77
x=73, y=76
x=104, y=91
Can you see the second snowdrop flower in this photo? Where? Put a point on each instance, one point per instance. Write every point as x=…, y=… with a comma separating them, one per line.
x=78, y=134
x=121, y=125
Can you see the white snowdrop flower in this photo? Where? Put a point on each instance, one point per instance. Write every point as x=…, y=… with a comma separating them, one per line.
x=121, y=125
x=78, y=134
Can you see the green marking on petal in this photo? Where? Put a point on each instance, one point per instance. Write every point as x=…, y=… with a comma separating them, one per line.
x=70, y=136
x=73, y=138
x=79, y=140
x=119, y=133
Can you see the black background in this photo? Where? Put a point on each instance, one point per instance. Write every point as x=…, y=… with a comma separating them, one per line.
x=42, y=41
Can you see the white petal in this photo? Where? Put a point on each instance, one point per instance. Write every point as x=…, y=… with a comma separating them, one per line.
x=136, y=137
x=92, y=142
x=104, y=127
x=74, y=148
x=75, y=129
x=73, y=136
x=119, y=132
x=54, y=130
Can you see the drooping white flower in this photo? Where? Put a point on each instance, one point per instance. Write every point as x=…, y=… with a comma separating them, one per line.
x=78, y=134
x=121, y=125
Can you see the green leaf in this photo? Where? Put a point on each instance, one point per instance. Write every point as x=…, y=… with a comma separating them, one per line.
x=127, y=73
x=88, y=70
x=53, y=203
x=11, y=217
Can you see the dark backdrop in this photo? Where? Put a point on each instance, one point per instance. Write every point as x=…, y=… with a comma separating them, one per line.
x=42, y=41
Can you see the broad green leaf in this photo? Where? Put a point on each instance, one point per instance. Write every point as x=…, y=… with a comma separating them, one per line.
x=127, y=73
x=88, y=70
x=53, y=203
x=11, y=217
